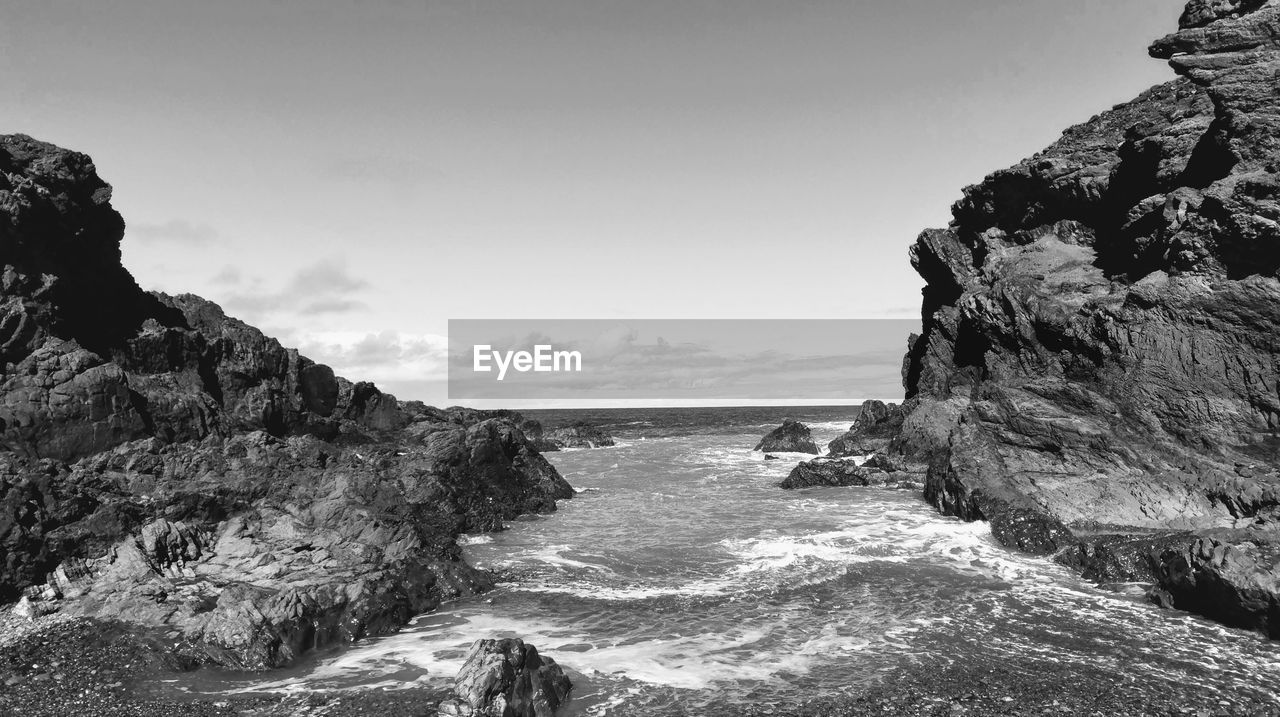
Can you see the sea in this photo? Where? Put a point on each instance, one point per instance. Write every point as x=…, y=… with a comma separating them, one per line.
x=680, y=578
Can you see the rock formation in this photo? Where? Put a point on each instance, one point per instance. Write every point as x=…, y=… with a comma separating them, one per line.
x=791, y=437
x=507, y=678
x=1098, y=368
x=578, y=434
x=876, y=423
x=170, y=466
x=877, y=471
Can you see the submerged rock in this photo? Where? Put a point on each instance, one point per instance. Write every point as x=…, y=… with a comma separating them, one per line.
x=791, y=437
x=1098, y=350
x=507, y=678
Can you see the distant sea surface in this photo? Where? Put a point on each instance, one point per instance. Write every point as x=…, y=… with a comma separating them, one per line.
x=681, y=579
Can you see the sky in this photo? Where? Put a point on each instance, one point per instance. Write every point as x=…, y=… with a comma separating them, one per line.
x=351, y=175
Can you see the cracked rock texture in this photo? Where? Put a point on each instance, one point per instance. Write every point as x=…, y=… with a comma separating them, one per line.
x=1097, y=372
x=168, y=466
x=507, y=678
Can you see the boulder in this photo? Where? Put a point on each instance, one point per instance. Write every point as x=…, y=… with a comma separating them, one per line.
x=507, y=678
x=791, y=437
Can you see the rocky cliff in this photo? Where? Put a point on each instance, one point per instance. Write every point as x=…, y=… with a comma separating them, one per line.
x=164, y=464
x=1098, y=369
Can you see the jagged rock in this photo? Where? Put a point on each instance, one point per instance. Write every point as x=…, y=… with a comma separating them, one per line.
x=847, y=472
x=1122, y=558
x=578, y=435
x=91, y=360
x=1099, y=343
x=1233, y=581
x=826, y=472
x=507, y=678
x=791, y=437
x=537, y=436
x=173, y=468
x=871, y=431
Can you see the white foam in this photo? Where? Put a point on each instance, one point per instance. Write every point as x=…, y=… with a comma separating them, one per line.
x=704, y=588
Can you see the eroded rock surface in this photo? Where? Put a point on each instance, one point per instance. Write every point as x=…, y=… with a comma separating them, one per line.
x=168, y=466
x=1097, y=370
x=507, y=678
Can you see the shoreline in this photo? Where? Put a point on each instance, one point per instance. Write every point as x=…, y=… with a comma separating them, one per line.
x=112, y=670
x=71, y=667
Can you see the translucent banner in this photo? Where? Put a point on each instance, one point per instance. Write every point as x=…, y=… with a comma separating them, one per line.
x=677, y=359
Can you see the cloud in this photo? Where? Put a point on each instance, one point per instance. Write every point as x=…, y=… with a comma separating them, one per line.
x=177, y=231
x=332, y=306
x=325, y=287
x=384, y=357
x=228, y=276
x=325, y=278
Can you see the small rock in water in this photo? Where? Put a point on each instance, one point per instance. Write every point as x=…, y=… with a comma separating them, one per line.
x=791, y=437
x=507, y=678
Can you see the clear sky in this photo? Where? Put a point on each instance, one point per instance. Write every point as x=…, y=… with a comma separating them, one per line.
x=350, y=175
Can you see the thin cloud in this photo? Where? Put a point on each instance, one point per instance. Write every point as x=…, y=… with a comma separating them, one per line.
x=383, y=357
x=325, y=278
x=229, y=276
x=325, y=287
x=333, y=306
x=178, y=231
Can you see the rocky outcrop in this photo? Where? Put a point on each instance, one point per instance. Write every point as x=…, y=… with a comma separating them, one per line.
x=507, y=678
x=167, y=466
x=876, y=423
x=1097, y=369
x=791, y=437
x=578, y=434
x=842, y=472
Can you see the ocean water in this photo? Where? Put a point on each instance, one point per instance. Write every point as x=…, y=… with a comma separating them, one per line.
x=681, y=578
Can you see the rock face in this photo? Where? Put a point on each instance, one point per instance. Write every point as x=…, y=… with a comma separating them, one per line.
x=871, y=430
x=164, y=464
x=791, y=437
x=1097, y=370
x=507, y=678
